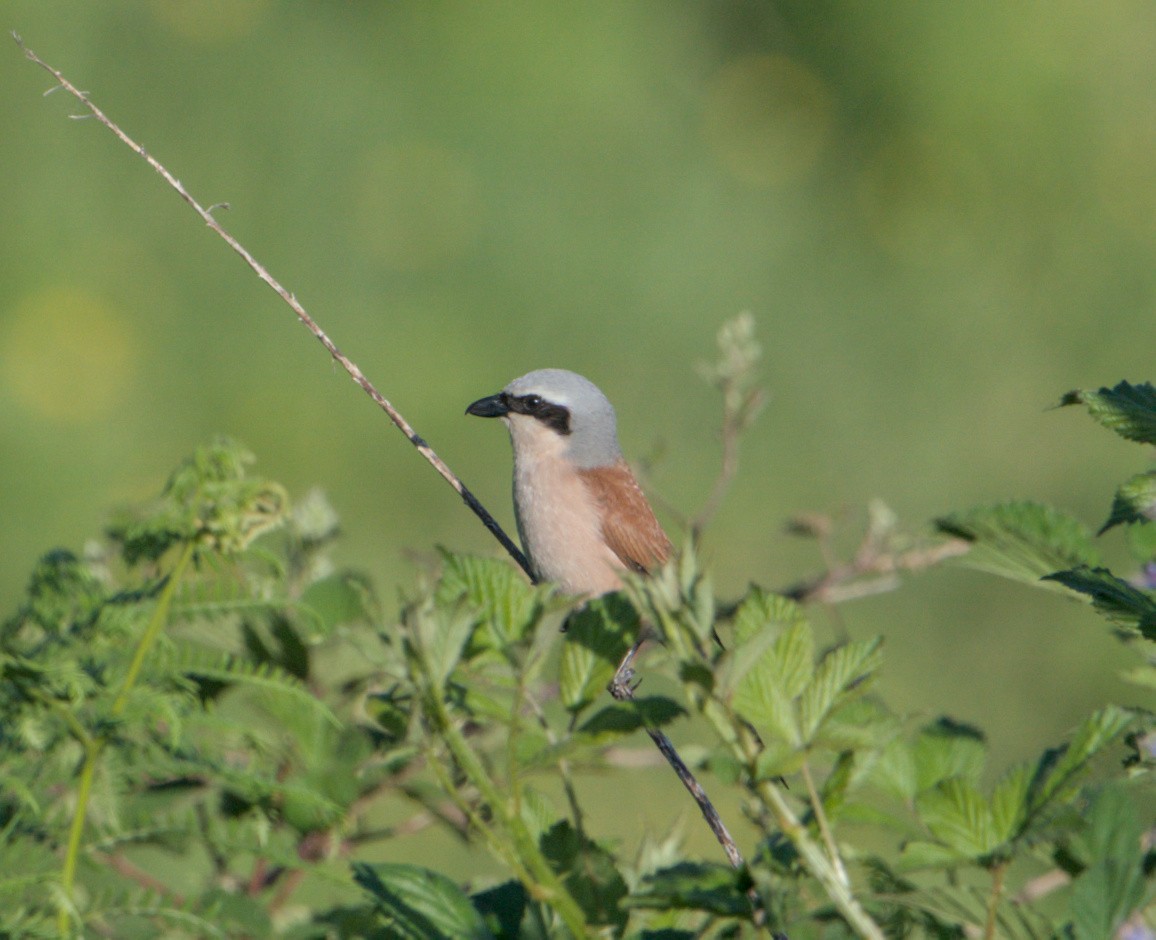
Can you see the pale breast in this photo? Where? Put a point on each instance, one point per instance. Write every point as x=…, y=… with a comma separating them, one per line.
x=560, y=526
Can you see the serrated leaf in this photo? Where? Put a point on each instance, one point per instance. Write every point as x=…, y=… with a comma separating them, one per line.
x=758, y=622
x=894, y=771
x=761, y=612
x=1023, y=541
x=1009, y=802
x=1055, y=773
x=232, y=670
x=419, y=903
x=597, y=637
x=948, y=748
x=589, y=873
x=443, y=632
x=858, y=724
x=1135, y=501
x=957, y=814
x=764, y=696
x=951, y=910
x=778, y=758
x=1112, y=597
x=698, y=886
x=840, y=673
x=1129, y=410
x=506, y=606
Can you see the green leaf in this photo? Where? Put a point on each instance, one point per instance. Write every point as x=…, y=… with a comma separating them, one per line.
x=597, y=637
x=341, y=599
x=623, y=718
x=696, y=886
x=761, y=612
x=858, y=724
x=945, y=748
x=1057, y=769
x=1112, y=885
x=1141, y=541
x=1023, y=541
x=224, y=668
x=1112, y=597
x=210, y=499
x=1129, y=410
x=840, y=673
x=894, y=770
x=1009, y=802
x=764, y=695
x=392, y=710
x=503, y=907
x=919, y=854
x=505, y=605
x=956, y=813
x=758, y=622
x=441, y=633
x=419, y=903
x=589, y=873
x=1135, y=501
x=949, y=912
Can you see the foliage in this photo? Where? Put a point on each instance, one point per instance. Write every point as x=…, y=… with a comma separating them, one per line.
x=200, y=720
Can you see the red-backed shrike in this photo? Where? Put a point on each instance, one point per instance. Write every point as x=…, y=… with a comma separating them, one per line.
x=581, y=514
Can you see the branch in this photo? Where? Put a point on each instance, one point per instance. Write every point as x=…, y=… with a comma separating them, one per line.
x=876, y=565
x=295, y=305
x=622, y=690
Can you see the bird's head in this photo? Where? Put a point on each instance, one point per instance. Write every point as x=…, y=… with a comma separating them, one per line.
x=554, y=412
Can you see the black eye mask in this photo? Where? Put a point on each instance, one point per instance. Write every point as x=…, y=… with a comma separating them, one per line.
x=551, y=415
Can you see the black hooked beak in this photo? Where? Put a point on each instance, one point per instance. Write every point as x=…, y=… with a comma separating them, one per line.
x=492, y=406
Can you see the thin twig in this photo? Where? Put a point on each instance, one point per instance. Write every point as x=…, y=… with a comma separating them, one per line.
x=263, y=273
x=824, y=826
x=622, y=689
x=839, y=583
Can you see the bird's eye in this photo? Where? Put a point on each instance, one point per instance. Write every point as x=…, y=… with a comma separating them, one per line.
x=532, y=402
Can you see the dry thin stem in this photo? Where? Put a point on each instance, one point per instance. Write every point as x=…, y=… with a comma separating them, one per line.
x=622, y=689
x=844, y=582
x=263, y=273
x=734, y=423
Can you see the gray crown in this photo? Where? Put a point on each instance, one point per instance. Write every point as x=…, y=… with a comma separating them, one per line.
x=593, y=425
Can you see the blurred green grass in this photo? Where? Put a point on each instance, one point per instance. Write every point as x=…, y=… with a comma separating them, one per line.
x=941, y=217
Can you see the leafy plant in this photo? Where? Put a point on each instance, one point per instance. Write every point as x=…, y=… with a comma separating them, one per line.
x=201, y=721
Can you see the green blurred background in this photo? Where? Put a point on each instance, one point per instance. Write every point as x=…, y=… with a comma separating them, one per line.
x=942, y=217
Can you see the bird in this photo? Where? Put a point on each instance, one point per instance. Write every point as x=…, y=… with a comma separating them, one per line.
x=581, y=515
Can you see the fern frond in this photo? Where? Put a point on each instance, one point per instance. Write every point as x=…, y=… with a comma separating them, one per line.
x=233, y=670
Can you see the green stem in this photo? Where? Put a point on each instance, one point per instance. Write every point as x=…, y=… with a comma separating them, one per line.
x=818, y=864
x=997, y=874
x=93, y=747
x=474, y=819
x=156, y=623
x=828, y=871
x=540, y=880
x=824, y=826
